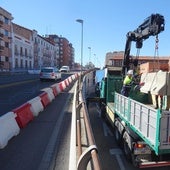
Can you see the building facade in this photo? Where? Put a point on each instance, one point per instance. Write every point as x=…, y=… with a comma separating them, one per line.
x=46, y=52
x=5, y=40
x=66, y=50
x=22, y=48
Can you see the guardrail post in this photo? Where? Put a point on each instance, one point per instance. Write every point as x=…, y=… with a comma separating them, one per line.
x=85, y=158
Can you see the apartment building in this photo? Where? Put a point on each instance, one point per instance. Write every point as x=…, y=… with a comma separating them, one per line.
x=5, y=40
x=46, y=52
x=66, y=50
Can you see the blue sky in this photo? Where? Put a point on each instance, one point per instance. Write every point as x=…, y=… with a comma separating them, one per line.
x=106, y=23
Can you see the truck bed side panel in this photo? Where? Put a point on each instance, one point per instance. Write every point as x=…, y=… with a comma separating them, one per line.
x=149, y=123
x=144, y=120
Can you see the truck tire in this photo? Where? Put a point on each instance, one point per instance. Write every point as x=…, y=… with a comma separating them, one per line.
x=127, y=145
x=117, y=136
x=126, y=150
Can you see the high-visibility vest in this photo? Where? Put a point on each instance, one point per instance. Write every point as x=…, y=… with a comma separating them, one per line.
x=127, y=80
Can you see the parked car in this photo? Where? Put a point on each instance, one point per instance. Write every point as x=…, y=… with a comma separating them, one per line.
x=50, y=73
x=65, y=69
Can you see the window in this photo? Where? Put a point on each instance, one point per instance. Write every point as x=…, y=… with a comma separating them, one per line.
x=6, y=59
x=26, y=64
x=6, y=33
x=16, y=63
x=16, y=50
x=30, y=63
x=6, y=44
x=35, y=40
x=6, y=20
x=21, y=51
x=26, y=53
x=21, y=63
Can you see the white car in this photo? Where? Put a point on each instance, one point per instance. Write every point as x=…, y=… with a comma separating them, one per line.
x=50, y=73
x=65, y=69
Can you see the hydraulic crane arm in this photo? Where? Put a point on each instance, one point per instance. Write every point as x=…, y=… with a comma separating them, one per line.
x=151, y=26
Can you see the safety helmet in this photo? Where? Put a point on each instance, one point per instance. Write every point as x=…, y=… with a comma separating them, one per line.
x=130, y=72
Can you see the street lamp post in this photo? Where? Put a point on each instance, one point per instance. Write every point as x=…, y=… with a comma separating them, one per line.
x=95, y=60
x=81, y=22
x=89, y=55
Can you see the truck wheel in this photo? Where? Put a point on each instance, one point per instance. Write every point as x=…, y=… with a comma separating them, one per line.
x=126, y=150
x=117, y=136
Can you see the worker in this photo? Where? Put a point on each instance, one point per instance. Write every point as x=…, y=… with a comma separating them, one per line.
x=127, y=83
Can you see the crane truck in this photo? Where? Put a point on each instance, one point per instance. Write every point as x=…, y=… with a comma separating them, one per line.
x=142, y=130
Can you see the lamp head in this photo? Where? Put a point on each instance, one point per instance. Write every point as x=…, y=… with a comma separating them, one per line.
x=80, y=21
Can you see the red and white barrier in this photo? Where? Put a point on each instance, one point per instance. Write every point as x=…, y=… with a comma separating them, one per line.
x=73, y=77
x=58, y=89
x=62, y=85
x=44, y=99
x=36, y=105
x=8, y=128
x=70, y=80
x=50, y=93
x=54, y=90
x=77, y=75
x=24, y=114
x=66, y=82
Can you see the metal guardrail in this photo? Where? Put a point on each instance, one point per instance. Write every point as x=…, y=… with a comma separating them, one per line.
x=86, y=152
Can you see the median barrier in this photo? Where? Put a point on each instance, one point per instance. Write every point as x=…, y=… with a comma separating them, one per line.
x=76, y=75
x=63, y=85
x=24, y=114
x=58, y=88
x=54, y=90
x=50, y=93
x=8, y=128
x=73, y=77
x=66, y=82
x=36, y=105
x=44, y=99
x=69, y=79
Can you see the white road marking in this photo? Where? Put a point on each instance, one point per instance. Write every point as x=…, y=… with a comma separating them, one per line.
x=106, y=130
x=117, y=152
x=98, y=109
